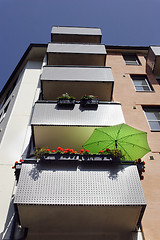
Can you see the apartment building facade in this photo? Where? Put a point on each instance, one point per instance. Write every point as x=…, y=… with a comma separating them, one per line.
x=71, y=198
x=136, y=73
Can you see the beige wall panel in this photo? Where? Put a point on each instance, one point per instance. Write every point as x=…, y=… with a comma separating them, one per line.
x=54, y=89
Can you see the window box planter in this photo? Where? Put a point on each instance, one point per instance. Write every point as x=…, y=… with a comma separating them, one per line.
x=99, y=157
x=58, y=156
x=64, y=102
x=89, y=102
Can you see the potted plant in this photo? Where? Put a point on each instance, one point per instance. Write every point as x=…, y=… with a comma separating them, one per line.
x=66, y=99
x=89, y=100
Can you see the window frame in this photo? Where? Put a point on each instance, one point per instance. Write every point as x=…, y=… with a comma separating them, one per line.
x=150, y=89
x=152, y=109
x=134, y=62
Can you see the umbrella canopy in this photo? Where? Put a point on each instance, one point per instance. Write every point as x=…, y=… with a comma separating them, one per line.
x=131, y=141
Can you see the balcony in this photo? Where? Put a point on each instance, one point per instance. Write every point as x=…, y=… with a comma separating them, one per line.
x=54, y=126
x=153, y=60
x=89, y=200
x=76, y=54
x=76, y=34
x=77, y=81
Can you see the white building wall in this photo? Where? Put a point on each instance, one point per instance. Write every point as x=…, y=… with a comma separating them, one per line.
x=16, y=136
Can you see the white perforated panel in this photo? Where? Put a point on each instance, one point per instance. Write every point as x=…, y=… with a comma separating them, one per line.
x=114, y=185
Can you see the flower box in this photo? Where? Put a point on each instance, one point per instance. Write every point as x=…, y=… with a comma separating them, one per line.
x=58, y=156
x=89, y=102
x=68, y=102
x=99, y=157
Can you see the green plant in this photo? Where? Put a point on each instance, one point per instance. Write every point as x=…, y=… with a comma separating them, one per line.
x=66, y=96
x=114, y=153
x=41, y=151
x=87, y=97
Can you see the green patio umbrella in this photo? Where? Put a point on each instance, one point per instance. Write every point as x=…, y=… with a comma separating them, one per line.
x=131, y=141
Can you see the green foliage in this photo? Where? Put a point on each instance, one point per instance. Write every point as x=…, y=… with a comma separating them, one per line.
x=86, y=97
x=66, y=96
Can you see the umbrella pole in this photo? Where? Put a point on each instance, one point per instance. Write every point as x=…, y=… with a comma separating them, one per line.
x=116, y=143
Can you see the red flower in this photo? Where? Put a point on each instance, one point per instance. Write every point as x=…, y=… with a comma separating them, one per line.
x=82, y=150
x=53, y=151
x=141, y=177
x=143, y=170
x=48, y=150
x=13, y=167
x=139, y=160
x=144, y=162
x=21, y=160
x=96, y=96
x=87, y=150
x=60, y=149
x=101, y=151
x=16, y=162
x=107, y=150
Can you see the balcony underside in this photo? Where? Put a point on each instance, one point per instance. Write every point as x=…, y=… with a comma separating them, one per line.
x=76, y=59
x=91, y=200
x=76, y=89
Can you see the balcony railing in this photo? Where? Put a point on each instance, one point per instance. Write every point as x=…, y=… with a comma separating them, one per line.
x=76, y=54
x=76, y=34
x=79, y=198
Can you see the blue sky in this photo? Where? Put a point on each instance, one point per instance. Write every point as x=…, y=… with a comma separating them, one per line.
x=123, y=22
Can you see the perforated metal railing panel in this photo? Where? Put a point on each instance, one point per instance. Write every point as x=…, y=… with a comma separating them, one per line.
x=79, y=185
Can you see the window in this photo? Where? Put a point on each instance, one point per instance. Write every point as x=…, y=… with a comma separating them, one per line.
x=131, y=59
x=141, y=83
x=153, y=117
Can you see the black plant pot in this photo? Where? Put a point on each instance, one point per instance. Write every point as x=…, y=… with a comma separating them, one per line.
x=89, y=102
x=66, y=102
